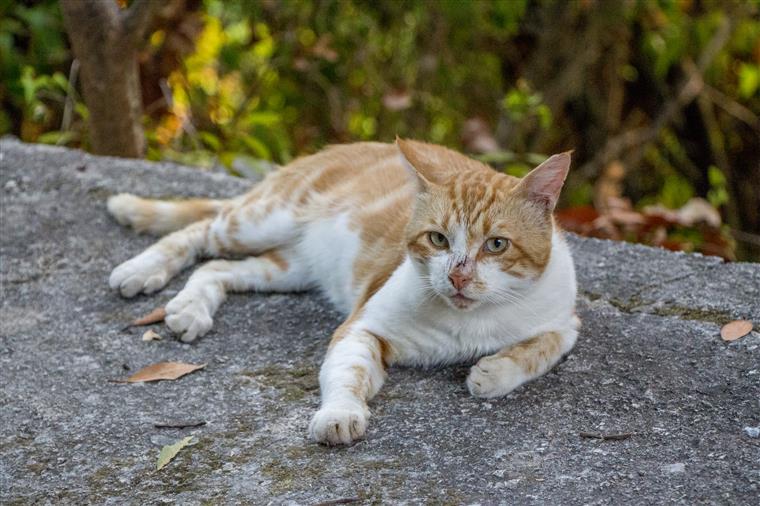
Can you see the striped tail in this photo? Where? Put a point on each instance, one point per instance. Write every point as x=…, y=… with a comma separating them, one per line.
x=160, y=217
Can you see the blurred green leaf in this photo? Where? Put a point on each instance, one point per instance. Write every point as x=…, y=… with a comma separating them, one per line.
x=749, y=79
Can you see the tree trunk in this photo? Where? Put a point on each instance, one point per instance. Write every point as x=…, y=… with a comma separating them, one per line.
x=105, y=40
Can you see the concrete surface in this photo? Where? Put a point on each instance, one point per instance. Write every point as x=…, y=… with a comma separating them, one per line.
x=649, y=361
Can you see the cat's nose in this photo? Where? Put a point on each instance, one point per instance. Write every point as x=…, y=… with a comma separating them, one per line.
x=459, y=280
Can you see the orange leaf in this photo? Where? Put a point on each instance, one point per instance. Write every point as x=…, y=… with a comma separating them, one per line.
x=734, y=330
x=164, y=371
x=155, y=316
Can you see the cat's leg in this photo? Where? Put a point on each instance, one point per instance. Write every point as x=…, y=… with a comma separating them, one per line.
x=352, y=373
x=191, y=312
x=497, y=375
x=153, y=268
x=245, y=227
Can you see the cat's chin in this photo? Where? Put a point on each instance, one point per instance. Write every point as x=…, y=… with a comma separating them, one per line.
x=461, y=302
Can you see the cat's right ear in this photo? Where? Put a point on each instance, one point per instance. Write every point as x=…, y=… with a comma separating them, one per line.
x=411, y=161
x=544, y=183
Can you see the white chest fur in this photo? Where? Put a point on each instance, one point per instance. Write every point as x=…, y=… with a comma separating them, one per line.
x=329, y=247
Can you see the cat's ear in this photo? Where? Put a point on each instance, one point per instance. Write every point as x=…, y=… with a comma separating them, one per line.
x=544, y=183
x=414, y=163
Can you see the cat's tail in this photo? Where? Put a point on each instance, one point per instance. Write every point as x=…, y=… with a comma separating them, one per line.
x=160, y=217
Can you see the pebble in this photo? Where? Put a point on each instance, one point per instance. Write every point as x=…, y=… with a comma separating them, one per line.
x=753, y=432
x=678, y=467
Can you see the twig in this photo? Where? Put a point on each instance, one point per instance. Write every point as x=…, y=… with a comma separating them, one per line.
x=179, y=425
x=747, y=237
x=717, y=143
x=606, y=437
x=68, y=107
x=732, y=107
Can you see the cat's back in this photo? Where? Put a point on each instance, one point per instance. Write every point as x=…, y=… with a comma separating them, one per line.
x=345, y=176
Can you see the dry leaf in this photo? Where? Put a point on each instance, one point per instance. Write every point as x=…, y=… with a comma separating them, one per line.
x=164, y=371
x=155, y=316
x=734, y=330
x=698, y=210
x=150, y=335
x=397, y=100
x=476, y=135
x=168, y=452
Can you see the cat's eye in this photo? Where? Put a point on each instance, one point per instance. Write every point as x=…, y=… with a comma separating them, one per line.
x=438, y=239
x=496, y=245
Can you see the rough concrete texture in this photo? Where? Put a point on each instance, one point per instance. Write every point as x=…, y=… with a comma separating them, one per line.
x=649, y=361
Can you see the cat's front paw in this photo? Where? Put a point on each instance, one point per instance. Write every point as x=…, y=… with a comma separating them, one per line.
x=338, y=425
x=144, y=273
x=494, y=377
x=187, y=314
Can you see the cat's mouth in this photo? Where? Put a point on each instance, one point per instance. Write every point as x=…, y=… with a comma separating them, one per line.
x=461, y=301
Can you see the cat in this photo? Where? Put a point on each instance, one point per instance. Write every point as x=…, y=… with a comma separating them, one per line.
x=433, y=256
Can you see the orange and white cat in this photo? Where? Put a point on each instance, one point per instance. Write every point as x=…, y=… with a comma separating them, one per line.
x=434, y=258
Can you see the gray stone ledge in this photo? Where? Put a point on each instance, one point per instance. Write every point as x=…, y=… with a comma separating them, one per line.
x=649, y=361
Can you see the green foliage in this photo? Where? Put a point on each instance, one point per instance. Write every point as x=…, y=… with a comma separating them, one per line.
x=274, y=79
x=718, y=193
x=676, y=191
x=33, y=52
x=525, y=108
x=270, y=82
x=749, y=79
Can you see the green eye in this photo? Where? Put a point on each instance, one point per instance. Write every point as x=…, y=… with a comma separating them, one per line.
x=496, y=244
x=438, y=239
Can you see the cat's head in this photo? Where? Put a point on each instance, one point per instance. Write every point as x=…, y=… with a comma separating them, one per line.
x=478, y=236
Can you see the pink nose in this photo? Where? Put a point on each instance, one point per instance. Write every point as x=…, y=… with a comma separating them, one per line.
x=459, y=280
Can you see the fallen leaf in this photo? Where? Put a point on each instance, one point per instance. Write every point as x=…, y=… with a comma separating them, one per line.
x=155, y=316
x=168, y=452
x=626, y=218
x=698, y=210
x=397, y=100
x=163, y=371
x=477, y=136
x=150, y=335
x=732, y=331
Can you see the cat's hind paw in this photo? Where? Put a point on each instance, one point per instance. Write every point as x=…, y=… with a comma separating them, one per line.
x=494, y=377
x=338, y=426
x=187, y=314
x=144, y=273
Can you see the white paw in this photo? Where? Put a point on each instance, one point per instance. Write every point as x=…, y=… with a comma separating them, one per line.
x=494, y=377
x=339, y=425
x=188, y=314
x=145, y=273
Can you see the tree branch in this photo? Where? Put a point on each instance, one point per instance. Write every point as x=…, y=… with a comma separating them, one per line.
x=102, y=14
x=733, y=107
x=137, y=20
x=689, y=90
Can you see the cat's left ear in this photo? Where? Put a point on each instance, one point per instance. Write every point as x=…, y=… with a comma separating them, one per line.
x=414, y=164
x=544, y=183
